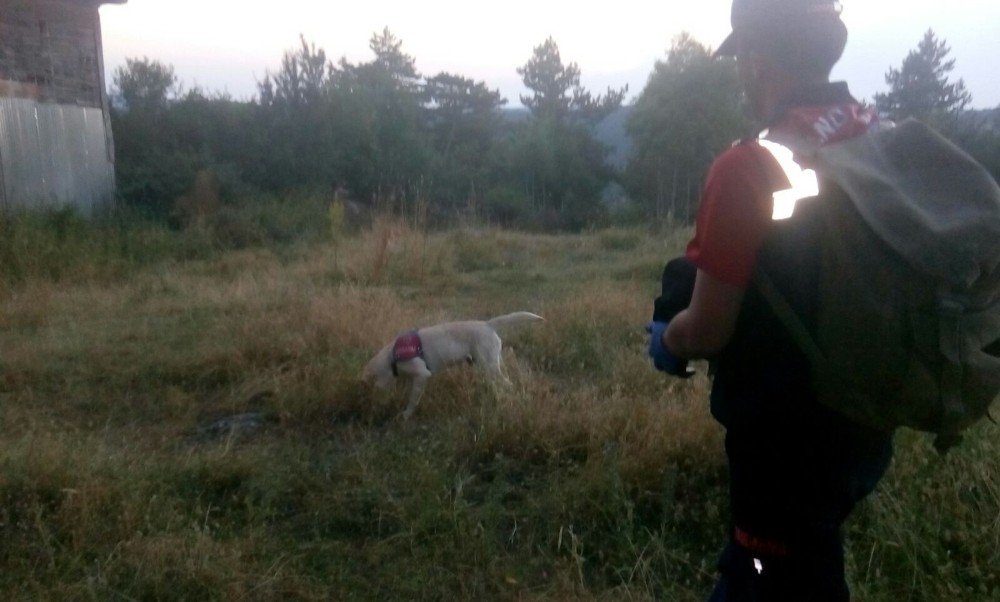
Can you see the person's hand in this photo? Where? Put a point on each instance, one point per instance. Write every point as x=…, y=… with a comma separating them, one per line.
x=663, y=360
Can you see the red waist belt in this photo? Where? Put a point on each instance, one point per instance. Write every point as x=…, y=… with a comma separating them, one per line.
x=759, y=545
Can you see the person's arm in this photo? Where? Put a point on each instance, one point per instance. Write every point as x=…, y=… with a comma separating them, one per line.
x=733, y=219
x=705, y=327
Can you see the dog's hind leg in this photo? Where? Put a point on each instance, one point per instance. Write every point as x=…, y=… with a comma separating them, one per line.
x=501, y=374
x=492, y=361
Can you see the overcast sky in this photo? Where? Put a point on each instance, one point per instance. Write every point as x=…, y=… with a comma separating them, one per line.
x=227, y=45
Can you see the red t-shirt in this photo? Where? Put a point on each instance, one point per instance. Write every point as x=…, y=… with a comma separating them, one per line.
x=737, y=205
x=735, y=212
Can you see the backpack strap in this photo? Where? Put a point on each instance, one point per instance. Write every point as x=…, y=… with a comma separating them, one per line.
x=790, y=319
x=950, y=314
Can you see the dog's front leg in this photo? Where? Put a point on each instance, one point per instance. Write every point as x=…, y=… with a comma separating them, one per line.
x=417, y=385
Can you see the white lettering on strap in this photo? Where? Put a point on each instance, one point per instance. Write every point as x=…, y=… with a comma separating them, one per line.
x=824, y=129
x=830, y=124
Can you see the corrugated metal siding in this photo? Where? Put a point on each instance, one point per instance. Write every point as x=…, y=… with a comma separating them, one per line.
x=53, y=156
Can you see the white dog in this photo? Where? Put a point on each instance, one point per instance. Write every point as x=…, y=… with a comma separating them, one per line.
x=418, y=354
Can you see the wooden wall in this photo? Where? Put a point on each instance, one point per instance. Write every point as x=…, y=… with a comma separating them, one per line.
x=50, y=51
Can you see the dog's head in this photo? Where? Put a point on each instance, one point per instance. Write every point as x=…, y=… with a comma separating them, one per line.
x=378, y=371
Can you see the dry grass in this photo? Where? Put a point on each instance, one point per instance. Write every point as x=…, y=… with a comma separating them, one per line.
x=591, y=478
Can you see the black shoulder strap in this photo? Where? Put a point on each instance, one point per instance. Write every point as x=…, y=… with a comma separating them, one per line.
x=789, y=319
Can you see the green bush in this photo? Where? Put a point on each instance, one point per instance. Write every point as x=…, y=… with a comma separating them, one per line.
x=506, y=206
x=620, y=240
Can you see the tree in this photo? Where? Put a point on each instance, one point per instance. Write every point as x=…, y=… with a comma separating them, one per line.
x=305, y=76
x=144, y=84
x=556, y=89
x=920, y=87
x=688, y=112
x=465, y=120
x=978, y=133
x=461, y=108
x=386, y=98
x=151, y=170
x=299, y=114
x=392, y=61
x=359, y=125
x=555, y=155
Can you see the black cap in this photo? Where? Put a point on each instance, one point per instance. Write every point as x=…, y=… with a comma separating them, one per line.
x=769, y=16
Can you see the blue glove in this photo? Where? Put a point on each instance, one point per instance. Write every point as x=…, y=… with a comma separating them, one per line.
x=663, y=360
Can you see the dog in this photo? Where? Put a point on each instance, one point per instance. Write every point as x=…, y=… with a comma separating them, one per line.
x=418, y=354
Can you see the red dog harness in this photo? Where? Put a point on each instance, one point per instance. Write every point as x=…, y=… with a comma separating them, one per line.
x=406, y=347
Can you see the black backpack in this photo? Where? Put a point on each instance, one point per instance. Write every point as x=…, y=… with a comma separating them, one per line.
x=906, y=329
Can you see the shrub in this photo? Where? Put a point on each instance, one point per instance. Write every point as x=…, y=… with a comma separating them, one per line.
x=507, y=207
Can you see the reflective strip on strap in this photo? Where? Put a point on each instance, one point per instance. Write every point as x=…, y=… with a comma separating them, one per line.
x=803, y=181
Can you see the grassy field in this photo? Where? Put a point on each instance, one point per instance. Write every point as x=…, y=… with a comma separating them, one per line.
x=591, y=478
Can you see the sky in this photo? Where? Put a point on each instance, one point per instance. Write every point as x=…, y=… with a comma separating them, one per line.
x=229, y=45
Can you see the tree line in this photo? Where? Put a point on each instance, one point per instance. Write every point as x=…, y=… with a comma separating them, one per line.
x=385, y=135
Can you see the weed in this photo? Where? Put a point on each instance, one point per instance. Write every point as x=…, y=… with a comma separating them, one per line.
x=591, y=477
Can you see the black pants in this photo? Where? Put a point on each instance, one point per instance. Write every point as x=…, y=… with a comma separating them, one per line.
x=791, y=488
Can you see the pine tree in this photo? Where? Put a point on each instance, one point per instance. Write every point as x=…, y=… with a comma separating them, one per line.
x=556, y=156
x=549, y=81
x=920, y=87
x=556, y=89
x=465, y=123
x=305, y=75
x=390, y=58
x=688, y=112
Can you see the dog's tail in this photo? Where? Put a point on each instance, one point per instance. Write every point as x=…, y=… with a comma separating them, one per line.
x=514, y=318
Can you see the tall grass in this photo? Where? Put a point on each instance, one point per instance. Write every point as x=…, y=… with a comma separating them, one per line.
x=590, y=478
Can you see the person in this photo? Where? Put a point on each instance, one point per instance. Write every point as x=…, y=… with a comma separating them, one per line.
x=797, y=468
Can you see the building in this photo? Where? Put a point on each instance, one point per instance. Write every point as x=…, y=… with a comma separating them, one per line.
x=56, y=148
